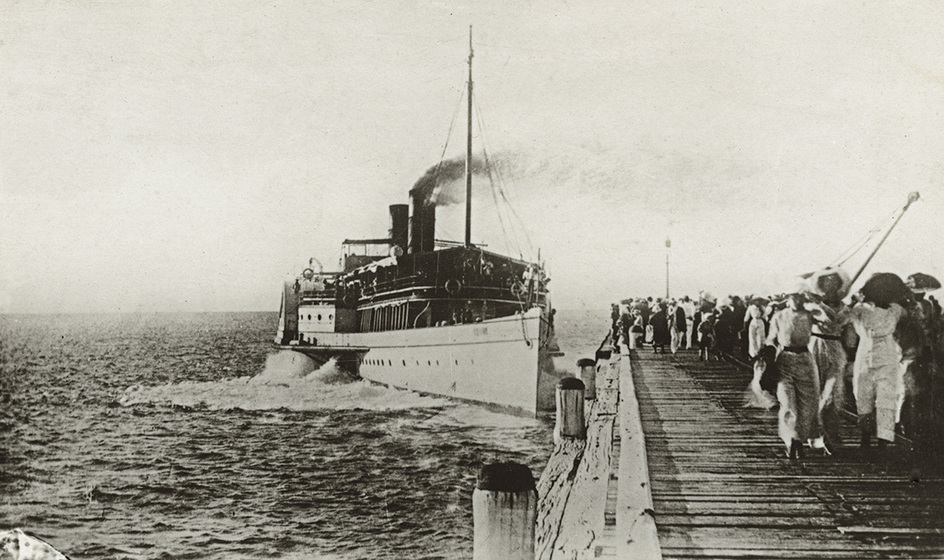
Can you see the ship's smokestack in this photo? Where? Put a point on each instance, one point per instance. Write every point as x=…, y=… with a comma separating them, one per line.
x=422, y=222
x=399, y=225
x=439, y=186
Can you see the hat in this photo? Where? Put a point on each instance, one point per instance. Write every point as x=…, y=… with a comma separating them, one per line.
x=830, y=281
x=798, y=285
x=884, y=288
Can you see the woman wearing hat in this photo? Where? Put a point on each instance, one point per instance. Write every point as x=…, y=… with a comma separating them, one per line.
x=876, y=380
x=798, y=389
x=830, y=317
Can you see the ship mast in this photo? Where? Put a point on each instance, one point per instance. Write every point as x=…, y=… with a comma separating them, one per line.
x=468, y=157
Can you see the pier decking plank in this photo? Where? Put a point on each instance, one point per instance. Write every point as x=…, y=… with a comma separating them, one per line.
x=722, y=486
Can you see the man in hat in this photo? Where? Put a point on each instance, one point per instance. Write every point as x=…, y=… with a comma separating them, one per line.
x=798, y=389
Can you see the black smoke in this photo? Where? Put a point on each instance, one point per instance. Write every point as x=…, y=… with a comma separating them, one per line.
x=443, y=184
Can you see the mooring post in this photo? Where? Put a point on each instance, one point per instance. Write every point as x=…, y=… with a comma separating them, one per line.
x=570, y=419
x=504, y=512
x=587, y=372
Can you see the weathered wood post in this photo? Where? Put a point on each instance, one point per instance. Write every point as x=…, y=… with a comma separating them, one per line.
x=587, y=372
x=570, y=417
x=504, y=512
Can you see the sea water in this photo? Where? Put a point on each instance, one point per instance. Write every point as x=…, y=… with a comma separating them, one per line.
x=146, y=436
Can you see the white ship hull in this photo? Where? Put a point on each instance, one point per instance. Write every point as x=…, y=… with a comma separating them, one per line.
x=501, y=362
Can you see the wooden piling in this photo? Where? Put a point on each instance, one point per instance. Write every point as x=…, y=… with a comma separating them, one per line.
x=587, y=372
x=570, y=415
x=504, y=511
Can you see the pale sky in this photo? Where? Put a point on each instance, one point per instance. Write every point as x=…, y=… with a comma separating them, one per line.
x=174, y=156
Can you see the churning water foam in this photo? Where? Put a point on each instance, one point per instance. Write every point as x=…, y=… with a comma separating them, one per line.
x=290, y=381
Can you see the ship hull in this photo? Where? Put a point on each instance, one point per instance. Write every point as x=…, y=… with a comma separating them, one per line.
x=500, y=362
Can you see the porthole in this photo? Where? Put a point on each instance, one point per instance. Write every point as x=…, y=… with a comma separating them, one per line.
x=429, y=362
x=389, y=362
x=404, y=363
x=330, y=317
x=437, y=362
x=309, y=317
x=319, y=316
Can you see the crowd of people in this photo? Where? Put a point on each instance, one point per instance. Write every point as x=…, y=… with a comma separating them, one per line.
x=817, y=351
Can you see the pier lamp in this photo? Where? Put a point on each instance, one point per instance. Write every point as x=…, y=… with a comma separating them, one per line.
x=668, y=249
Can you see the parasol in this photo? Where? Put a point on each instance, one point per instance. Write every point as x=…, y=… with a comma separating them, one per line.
x=920, y=282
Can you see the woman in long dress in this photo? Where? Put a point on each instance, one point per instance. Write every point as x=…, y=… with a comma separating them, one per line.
x=876, y=379
x=798, y=388
x=756, y=330
x=660, y=330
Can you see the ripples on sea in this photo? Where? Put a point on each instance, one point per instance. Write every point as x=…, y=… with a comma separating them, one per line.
x=187, y=436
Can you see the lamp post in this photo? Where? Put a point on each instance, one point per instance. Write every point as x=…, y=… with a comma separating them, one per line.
x=668, y=249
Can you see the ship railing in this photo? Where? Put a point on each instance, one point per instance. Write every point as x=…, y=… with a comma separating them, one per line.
x=435, y=293
x=327, y=293
x=442, y=291
x=421, y=282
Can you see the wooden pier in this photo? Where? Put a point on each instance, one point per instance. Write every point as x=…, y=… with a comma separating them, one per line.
x=674, y=466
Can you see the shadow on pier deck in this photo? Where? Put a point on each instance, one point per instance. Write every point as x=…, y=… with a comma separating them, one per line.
x=721, y=485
